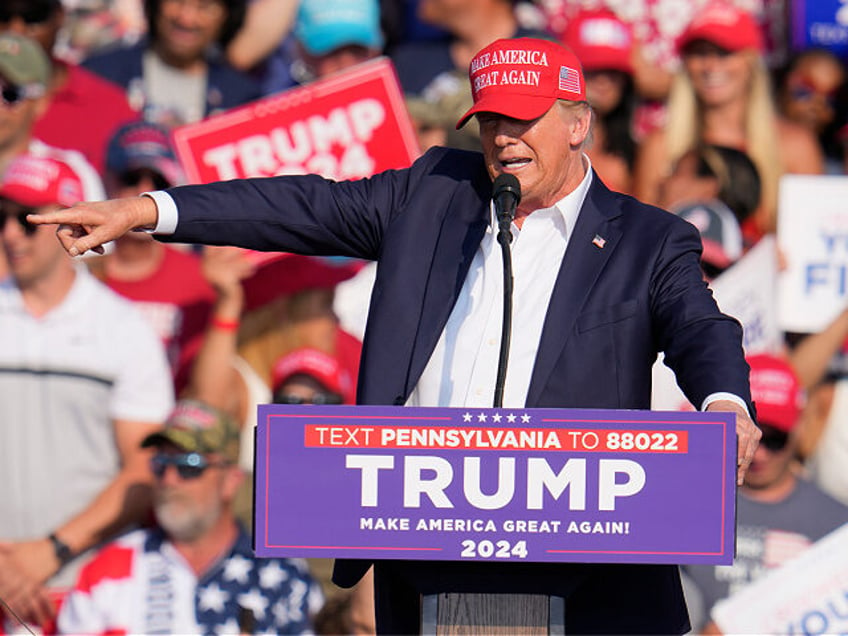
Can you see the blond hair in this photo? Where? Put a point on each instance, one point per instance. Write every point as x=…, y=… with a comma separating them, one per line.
x=683, y=131
x=285, y=324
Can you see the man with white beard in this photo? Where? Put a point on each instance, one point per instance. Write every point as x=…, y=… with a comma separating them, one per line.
x=195, y=572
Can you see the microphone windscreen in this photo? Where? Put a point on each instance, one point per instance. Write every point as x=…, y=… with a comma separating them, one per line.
x=506, y=183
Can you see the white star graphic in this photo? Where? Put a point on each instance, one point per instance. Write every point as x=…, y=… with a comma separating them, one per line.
x=271, y=575
x=255, y=602
x=496, y=417
x=481, y=417
x=237, y=568
x=212, y=597
x=281, y=613
x=511, y=418
x=466, y=417
x=230, y=627
x=525, y=419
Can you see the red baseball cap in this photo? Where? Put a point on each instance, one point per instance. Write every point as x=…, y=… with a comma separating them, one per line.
x=38, y=181
x=776, y=391
x=317, y=364
x=724, y=25
x=600, y=40
x=522, y=78
x=285, y=274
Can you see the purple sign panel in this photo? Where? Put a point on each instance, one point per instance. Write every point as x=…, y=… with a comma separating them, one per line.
x=460, y=484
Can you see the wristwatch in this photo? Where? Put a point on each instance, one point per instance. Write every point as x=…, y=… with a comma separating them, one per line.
x=61, y=549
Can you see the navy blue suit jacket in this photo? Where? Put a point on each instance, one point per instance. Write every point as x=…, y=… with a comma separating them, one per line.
x=612, y=309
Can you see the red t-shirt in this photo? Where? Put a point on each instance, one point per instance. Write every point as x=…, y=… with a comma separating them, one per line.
x=177, y=300
x=84, y=114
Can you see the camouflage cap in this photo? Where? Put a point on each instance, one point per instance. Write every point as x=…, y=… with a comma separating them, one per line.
x=199, y=428
x=24, y=63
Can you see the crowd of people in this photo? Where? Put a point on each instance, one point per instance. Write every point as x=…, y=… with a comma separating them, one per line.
x=116, y=368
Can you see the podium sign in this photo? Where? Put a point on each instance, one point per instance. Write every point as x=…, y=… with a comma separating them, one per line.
x=458, y=484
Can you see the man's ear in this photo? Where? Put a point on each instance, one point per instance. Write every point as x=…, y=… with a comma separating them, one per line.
x=233, y=478
x=581, y=125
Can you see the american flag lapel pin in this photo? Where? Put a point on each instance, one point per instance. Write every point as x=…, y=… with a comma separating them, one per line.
x=599, y=241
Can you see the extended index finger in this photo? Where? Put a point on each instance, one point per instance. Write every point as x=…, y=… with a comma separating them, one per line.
x=55, y=217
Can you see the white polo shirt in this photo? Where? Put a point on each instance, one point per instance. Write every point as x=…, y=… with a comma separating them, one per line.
x=64, y=378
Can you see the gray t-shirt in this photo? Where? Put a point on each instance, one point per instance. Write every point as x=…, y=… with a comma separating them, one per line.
x=173, y=97
x=767, y=535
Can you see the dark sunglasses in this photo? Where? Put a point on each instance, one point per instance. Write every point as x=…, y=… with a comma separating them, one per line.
x=11, y=94
x=803, y=92
x=28, y=228
x=132, y=178
x=318, y=398
x=773, y=440
x=188, y=465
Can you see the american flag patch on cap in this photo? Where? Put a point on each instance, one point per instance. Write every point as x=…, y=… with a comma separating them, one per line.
x=569, y=79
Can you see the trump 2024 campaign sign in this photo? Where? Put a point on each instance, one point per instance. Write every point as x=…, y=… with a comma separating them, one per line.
x=348, y=126
x=529, y=485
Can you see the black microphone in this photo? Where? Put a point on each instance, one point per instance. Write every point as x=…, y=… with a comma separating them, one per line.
x=506, y=193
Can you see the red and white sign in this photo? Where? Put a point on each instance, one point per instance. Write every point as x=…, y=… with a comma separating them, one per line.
x=349, y=126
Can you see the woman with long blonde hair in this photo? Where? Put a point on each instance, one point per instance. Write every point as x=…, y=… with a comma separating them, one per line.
x=722, y=96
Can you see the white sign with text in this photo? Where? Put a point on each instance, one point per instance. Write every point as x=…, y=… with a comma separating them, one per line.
x=807, y=595
x=812, y=234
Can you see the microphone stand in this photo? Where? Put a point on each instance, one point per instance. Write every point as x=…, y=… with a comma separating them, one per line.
x=504, y=238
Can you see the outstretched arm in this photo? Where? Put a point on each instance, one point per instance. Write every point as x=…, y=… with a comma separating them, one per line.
x=89, y=225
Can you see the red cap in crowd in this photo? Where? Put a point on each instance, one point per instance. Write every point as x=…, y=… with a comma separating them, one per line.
x=724, y=25
x=776, y=392
x=316, y=364
x=285, y=274
x=600, y=40
x=38, y=181
x=522, y=78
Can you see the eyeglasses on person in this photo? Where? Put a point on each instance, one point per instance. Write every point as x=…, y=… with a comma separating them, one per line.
x=188, y=465
x=132, y=178
x=318, y=398
x=773, y=439
x=28, y=228
x=12, y=94
x=803, y=91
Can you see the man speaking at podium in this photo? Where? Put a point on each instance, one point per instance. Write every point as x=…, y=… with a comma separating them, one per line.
x=602, y=283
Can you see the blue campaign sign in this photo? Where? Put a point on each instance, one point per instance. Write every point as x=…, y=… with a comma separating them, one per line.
x=495, y=484
x=820, y=23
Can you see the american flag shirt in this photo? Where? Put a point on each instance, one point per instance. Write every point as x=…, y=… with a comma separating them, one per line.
x=140, y=584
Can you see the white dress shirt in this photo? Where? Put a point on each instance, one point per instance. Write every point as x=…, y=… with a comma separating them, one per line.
x=462, y=370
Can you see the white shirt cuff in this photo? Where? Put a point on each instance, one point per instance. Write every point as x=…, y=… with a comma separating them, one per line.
x=166, y=223
x=715, y=397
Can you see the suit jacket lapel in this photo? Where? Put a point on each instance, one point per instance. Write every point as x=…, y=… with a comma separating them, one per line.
x=585, y=258
x=462, y=230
